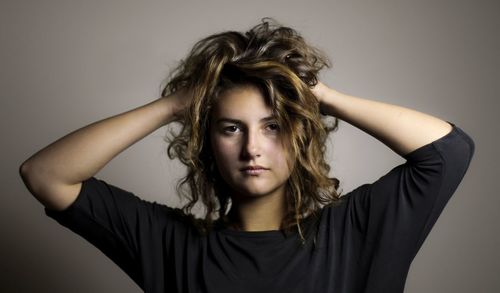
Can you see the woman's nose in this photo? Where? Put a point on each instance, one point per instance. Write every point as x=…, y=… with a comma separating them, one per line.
x=251, y=144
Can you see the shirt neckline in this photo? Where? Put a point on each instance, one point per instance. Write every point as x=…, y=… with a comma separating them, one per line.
x=265, y=234
x=268, y=233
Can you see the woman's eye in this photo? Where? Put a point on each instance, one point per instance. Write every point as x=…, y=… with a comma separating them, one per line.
x=273, y=126
x=230, y=128
x=234, y=128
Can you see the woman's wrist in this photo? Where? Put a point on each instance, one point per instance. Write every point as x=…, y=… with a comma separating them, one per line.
x=168, y=108
x=328, y=100
x=177, y=103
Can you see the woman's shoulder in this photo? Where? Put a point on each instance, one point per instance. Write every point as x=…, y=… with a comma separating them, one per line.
x=176, y=213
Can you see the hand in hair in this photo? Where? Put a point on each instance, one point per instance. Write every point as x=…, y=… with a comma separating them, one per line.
x=181, y=100
x=320, y=91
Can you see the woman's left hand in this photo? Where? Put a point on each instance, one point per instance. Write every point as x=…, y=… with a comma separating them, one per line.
x=322, y=92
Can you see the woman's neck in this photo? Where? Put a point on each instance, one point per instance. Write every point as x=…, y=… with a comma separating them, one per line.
x=259, y=214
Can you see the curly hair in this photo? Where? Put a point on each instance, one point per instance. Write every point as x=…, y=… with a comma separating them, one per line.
x=277, y=60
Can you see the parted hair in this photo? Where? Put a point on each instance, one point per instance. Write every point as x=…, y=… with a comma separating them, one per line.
x=276, y=60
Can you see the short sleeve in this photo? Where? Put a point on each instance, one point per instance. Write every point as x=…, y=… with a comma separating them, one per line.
x=396, y=212
x=112, y=219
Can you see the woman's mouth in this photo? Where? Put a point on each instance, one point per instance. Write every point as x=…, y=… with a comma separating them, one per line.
x=254, y=170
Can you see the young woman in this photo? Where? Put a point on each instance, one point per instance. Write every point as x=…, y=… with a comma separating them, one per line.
x=254, y=123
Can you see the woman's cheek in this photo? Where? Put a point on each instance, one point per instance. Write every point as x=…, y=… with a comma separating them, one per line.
x=226, y=153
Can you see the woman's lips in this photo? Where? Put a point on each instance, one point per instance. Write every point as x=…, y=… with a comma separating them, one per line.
x=254, y=171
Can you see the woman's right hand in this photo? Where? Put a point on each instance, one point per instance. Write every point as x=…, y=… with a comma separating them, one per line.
x=181, y=99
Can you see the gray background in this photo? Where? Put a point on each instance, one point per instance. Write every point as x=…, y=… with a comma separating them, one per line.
x=65, y=64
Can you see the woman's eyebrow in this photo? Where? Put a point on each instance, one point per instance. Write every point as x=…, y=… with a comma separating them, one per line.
x=236, y=121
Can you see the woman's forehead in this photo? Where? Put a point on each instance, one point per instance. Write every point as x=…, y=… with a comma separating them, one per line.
x=244, y=101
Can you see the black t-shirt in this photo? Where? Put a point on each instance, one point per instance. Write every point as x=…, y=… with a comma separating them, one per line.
x=364, y=244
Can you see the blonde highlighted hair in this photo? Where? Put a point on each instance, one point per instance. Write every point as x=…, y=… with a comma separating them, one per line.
x=277, y=61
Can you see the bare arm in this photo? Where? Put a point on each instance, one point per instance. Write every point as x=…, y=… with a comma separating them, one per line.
x=401, y=129
x=54, y=174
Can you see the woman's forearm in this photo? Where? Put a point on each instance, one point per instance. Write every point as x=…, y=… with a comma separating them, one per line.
x=401, y=129
x=82, y=153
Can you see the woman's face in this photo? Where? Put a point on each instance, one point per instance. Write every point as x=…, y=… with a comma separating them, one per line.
x=243, y=134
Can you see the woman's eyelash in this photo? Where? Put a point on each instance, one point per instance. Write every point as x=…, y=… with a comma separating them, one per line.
x=228, y=128
x=276, y=126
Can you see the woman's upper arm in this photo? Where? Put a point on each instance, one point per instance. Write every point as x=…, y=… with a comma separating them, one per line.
x=398, y=210
x=59, y=197
x=112, y=219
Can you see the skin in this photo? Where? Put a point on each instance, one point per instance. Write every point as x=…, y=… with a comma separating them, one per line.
x=401, y=129
x=258, y=201
x=55, y=173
